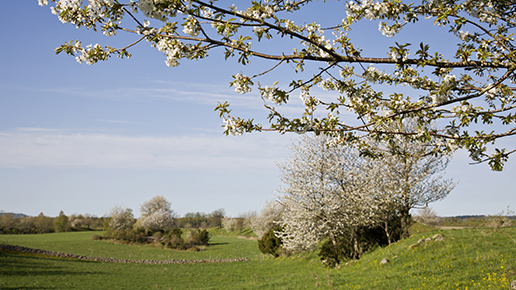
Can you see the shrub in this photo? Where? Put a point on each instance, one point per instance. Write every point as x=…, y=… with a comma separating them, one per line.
x=199, y=237
x=355, y=242
x=96, y=237
x=174, y=242
x=269, y=243
x=176, y=231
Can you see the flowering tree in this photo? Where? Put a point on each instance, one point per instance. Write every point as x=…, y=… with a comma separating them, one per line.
x=156, y=214
x=229, y=224
x=121, y=218
x=331, y=191
x=327, y=191
x=410, y=179
x=269, y=217
x=463, y=86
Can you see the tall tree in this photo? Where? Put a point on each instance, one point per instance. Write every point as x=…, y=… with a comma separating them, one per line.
x=466, y=83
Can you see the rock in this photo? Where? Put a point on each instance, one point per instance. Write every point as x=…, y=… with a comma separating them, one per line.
x=413, y=246
x=513, y=285
x=384, y=261
x=438, y=237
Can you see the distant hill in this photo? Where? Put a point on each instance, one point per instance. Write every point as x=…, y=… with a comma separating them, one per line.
x=16, y=215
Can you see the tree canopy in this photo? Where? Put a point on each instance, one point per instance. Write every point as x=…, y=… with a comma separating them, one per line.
x=463, y=88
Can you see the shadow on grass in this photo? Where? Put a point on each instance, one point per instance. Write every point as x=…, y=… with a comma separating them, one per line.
x=26, y=264
x=218, y=244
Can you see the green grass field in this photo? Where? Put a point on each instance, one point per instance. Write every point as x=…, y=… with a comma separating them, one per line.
x=467, y=259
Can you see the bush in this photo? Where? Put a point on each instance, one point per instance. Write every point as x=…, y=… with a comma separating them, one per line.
x=96, y=237
x=174, y=242
x=366, y=239
x=176, y=231
x=269, y=243
x=199, y=237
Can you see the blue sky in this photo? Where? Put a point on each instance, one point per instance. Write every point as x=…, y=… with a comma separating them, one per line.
x=84, y=138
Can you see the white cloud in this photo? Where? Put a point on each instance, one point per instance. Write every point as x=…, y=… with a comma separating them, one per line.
x=64, y=149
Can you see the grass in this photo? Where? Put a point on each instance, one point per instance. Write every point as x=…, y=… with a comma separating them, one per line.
x=467, y=259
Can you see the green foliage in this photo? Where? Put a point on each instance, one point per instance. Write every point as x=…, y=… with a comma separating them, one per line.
x=269, y=243
x=10, y=224
x=194, y=220
x=355, y=242
x=127, y=236
x=199, y=237
x=61, y=223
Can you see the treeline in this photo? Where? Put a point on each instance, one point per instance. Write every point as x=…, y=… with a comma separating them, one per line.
x=201, y=220
x=41, y=224
x=470, y=221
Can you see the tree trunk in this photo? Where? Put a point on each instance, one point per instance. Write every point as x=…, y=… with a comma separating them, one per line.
x=405, y=224
x=389, y=240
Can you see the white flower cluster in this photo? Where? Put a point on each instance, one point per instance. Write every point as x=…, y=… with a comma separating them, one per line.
x=191, y=26
x=463, y=35
x=72, y=8
x=389, y=30
x=98, y=8
x=148, y=7
x=231, y=127
x=372, y=74
x=492, y=92
x=242, y=83
x=261, y=13
x=157, y=220
x=449, y=81
x=372, y=10
x=327, y=85
x=172, y=49
x=316, y=35
x=394, y=55
x=89, y=54
x=305, y=97
x=269, y=93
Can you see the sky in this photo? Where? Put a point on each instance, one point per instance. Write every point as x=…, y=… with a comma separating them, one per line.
x=83, y=139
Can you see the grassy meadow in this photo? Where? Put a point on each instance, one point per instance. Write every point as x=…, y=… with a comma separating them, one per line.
x=473, y=258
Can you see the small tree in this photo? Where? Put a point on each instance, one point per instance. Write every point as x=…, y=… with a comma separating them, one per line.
x=121, y=218
x=61, y=223
x=229, y=224
x=427, y=216
x=156, y=215
x=216, y=217
x=44, y=224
